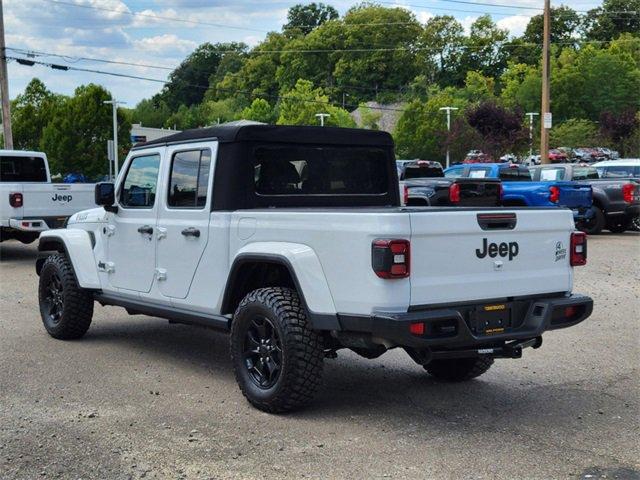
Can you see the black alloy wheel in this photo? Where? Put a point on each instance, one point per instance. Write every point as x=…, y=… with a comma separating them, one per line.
x=54, y=299
x=262, y=352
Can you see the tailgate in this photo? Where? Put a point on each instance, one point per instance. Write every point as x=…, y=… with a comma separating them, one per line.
x=57, y=199
x=455, y=259
x=478, y=193
x=574, y=195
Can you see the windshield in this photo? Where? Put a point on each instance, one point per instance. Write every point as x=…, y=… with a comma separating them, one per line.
x=22, y=169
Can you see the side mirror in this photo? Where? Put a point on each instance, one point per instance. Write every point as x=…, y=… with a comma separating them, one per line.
x=105, y=196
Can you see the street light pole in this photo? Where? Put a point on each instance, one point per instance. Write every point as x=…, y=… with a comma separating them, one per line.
x=114, y=104
x=531, y=115
x=448, y=110
x=344, y=96
x=322, y=116
x=545, y=125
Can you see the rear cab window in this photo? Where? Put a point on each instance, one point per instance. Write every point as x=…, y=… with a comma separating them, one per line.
x=515, y=174
x=22, y=169
x=551, y=174
x=620, y=171
x=320, y=170
x=585, y=173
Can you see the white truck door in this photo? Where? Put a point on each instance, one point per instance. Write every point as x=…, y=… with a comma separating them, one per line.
x=131, y=244
x=183, y=219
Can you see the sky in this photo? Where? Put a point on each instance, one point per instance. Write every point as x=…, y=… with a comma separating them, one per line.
x=106, y=29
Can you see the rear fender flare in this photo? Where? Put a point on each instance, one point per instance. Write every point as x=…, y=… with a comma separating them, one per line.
x=305, y=270
x=78, y=247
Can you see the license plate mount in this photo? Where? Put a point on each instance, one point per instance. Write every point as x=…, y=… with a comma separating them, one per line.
x=491, y=319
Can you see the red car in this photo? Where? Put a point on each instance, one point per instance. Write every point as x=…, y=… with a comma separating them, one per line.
x=557, y=156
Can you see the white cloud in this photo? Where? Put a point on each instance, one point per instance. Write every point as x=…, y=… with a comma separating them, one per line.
x=166, y=43
x=515, y=24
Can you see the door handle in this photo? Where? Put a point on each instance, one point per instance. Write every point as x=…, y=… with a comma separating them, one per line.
x=191, y=232
x=146, y=229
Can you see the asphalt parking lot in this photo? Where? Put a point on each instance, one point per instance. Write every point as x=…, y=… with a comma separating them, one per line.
x=141, y=398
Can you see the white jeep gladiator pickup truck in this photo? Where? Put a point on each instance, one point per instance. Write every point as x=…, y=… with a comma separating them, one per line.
x=29, y=202
x=294, y=240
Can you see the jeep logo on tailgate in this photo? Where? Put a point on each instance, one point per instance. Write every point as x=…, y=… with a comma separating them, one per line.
x=503, y=249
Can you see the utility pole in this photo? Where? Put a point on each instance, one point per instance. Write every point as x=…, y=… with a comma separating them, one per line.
x=114, y=104
x=448, y=110
x=4, y=88
x=322, y=116
x=531, y=115
x=545, y=125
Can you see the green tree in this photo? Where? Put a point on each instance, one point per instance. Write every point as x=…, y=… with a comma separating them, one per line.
x=31, y=111
x=300, y=106
x=367, y=73
x=574, y=133
x=482, y=50
x=478, y=88
x=260, y=111
x=257, y=76
x=369, y=118
x=304, y=18
x=612, y=19
x=151, y=112
x=422, y=128
x=76, y=137
x=441, y=45
x=188, y=82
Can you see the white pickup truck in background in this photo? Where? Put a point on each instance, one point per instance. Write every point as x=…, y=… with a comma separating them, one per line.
x=29, y=202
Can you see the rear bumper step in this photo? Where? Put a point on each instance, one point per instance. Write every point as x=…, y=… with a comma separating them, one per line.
x=456, y=328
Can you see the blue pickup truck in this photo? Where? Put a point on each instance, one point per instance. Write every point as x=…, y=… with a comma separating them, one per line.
x=518, y=188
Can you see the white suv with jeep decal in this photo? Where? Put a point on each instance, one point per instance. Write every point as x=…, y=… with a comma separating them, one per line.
x=294, y=240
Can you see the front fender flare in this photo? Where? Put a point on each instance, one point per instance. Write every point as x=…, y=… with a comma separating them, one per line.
x=78, y=247
x=307, y=273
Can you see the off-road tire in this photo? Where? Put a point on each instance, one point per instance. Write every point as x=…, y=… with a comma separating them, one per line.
x=595, y=224
x=459, y=369
x=301, y=355
x=76, y=306
x=620, y=225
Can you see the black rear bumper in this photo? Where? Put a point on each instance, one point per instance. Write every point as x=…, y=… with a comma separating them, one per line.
x=456, y=327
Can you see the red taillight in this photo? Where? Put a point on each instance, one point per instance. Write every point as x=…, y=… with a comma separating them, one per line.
x=627, y=192
x=554, y=194
x=15, y=200
x=570, y=311
x=390, y=258
x=578, y=249
x=454, y=193
x=416, y=328
x=405, y=195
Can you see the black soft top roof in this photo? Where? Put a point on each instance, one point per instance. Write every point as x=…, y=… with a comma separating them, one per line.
x=277, y=133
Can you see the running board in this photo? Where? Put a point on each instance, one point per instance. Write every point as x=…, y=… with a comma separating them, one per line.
x=175, y=315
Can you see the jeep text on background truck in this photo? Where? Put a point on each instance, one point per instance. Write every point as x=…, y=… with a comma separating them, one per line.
x=29, y=202
x=293, y=239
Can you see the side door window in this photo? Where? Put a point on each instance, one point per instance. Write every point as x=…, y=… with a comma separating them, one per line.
x=189, y=179
x=140, y=183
